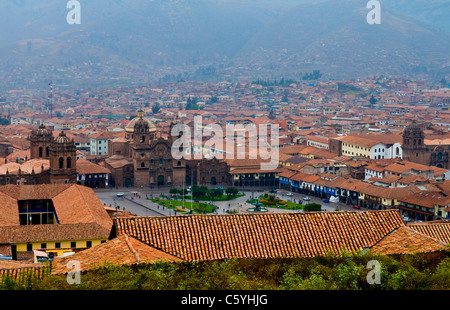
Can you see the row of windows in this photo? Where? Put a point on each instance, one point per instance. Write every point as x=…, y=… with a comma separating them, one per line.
x=73, y=245
x=353, y=153
x=355, y=146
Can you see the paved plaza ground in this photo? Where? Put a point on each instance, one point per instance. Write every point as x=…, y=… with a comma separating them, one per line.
x=135, y=201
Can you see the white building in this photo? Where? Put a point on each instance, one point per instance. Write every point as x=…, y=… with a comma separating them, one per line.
x=99, y=143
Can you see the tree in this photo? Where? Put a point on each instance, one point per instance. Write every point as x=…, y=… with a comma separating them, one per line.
x=444, y=82
x=231, y=191
x=372, y=100
x=198, y=191
x=313, y=207
x=156, y=108
x=215, y=192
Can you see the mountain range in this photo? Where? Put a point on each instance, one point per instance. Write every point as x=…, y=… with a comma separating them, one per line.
x=131, y=42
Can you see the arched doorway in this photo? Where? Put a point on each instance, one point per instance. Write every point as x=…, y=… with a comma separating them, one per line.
x=213, y=181
x=160, y=180
x=128, y=182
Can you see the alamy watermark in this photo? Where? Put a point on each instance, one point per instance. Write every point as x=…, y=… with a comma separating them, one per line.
x=74, y=15
x=235, y=142
x=374, y=16
x=374, y=275
x=74, y=276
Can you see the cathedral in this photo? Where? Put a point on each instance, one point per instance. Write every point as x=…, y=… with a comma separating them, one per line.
x=143, y=158
x=52, y=160
x=418, y=149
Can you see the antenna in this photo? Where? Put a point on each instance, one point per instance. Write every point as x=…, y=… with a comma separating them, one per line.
x=50, y=99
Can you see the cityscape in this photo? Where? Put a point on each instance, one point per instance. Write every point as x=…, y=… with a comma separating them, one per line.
x=186, y=170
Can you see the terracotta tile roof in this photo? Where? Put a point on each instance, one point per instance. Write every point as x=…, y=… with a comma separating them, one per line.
x=359, y=141
x=52, y=232
x=405, y=240
x=26, y=168
x=86, y=167
x=18, y=270
x=210, y=237
x=426, y=199
x=123, y=250
x=439, y=231
x=255, y=170
x=74, y=204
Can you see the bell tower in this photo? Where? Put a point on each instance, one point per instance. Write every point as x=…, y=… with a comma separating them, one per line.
x=413, y=143
x=40, y=142
x=63, y=160
x=141, y=150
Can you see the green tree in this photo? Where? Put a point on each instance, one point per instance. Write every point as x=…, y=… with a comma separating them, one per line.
x=372, y=100
x=215, y=192
x=198, y=191
x=156, y=108
x=231, y=191
x=313, y=207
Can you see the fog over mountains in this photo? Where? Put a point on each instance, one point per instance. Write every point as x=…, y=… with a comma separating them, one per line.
x=140, y=41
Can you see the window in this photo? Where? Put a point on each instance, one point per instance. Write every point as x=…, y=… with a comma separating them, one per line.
x=142, y=165
x=61, y=163
x=73, y=244
x=57, y=245
x=29, y=247
x=40, y=152
x=160, y=161
x=89, y=244
x=69, y=162
x=43, y=245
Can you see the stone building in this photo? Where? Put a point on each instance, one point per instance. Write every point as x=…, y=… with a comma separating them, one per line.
x=52, y=160
x=418, y=149
x=143, y=158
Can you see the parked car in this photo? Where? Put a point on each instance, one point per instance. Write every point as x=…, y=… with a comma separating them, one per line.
x=326, y=201
x=120, y=194
x=274, y=190
x=289, y=194
x=356, y=207
x=306, y=198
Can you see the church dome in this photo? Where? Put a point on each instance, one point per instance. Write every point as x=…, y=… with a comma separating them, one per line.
x=141, y=121
x=42, y=130
x=62, y=138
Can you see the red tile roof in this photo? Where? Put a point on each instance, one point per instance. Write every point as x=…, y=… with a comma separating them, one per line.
x=123, y=250
x=439, y=231
x=210, y=237
x=74, y=204
x=405, y=240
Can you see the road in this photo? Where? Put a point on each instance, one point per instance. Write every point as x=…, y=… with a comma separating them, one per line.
x=135, y=201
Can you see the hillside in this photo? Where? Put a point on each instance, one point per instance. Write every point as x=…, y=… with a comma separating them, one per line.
x=138, y=41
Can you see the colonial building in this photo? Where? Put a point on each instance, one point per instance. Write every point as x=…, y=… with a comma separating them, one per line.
x=53, y=218
x=417, y=148
x=144, y=158
x=52, y=160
